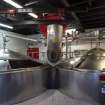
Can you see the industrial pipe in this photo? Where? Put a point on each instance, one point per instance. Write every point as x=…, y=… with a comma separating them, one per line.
x=55, y=32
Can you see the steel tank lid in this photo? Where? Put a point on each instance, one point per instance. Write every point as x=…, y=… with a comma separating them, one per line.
x=94, y=59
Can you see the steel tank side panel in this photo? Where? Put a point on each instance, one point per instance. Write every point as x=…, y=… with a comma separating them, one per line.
x=83, y=86
x=52, y=78
x=18, y=87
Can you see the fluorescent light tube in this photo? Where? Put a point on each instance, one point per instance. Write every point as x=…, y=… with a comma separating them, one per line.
x=33, y=15
x=6, y=26
x=19, y=6
x=13, y=3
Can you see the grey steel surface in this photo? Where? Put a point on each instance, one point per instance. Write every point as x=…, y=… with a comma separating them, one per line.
x=11, y=55
x=21, y=85
x=8, y=54
x=54, y=97
x=93, y=60
x=12, y=60
x=79, y=87
x=21, y=78
x=4, y=64
x=82, y=85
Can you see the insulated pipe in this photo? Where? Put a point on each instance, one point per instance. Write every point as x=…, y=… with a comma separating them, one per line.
x=55, y=32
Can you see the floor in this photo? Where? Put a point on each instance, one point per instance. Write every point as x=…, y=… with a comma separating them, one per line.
x=54, y=97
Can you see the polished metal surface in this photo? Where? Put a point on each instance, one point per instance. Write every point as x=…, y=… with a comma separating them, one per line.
x=82, y=85
x=93, y=60
x=8, y=54
x=20, y=83
x=83, y=82
x=54, y=97
x=12, y=60
x=18, y=86
x=52, y=78
x=21, y=78
x=55, y=32
x=4, y=64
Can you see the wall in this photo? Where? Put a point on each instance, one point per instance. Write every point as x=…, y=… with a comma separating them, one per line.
x=20, y=45
x=14, y=44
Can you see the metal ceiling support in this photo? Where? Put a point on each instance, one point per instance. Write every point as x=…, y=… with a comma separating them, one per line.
x=79, y=25
x=99, y=7
x=39, y=21
x=75, y=16
x=93, y=18
x=31, y=3
x=95, y=25
x=101, y=21
x=82, y=2
x=89, y=9
x=22, y=37
x=90, y=2
x=90, y=14
x=65, y=2
x=79, y=3
x=25, y=23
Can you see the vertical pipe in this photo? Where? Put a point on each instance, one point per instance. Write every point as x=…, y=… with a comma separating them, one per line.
x=91, y=43
x=70, y=56
x=66, y=47
x=55, y=32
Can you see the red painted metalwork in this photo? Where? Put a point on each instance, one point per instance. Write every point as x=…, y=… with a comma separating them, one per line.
x=33, y=52
x=59, y=15
x=43, y=30
x=102, y=77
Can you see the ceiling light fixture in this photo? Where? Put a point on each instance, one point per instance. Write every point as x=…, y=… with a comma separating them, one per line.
x=13, y=3
x=6, y=26
x=33, y=15
x=31, y=3
x=19, y=6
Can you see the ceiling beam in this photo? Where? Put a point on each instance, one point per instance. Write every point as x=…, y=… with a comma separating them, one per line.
x=93, y=23
x=74, y=15
x=91, y=14
x=28, y=22
x=79, y=3
x=94, y=26
x=66, y=3
x=86, y=19
x=90, y=2
x=86, y=10
x=25, y=23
